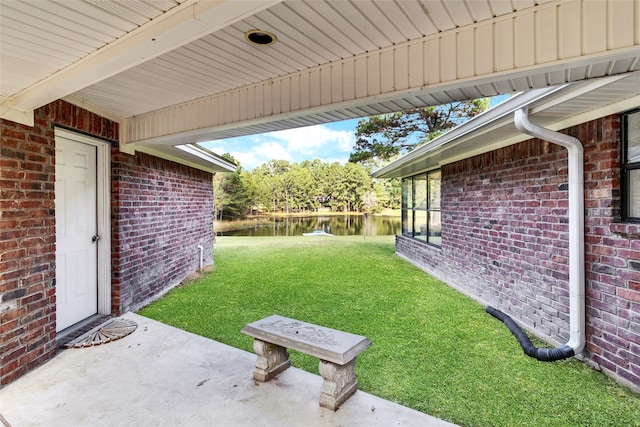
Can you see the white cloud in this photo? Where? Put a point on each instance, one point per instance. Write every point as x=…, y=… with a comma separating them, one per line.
x=294, y=145
x=269, y=150
x=247, y=160
x=313, y=139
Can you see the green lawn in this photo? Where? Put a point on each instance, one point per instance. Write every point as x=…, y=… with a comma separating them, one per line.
x=433, y=349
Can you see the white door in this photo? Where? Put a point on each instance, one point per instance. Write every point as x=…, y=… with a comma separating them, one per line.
x=76, y=232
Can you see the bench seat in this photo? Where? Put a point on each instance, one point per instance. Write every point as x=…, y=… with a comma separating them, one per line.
x=337, y=351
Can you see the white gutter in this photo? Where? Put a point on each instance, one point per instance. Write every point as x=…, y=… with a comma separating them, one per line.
x=498, y=115
x=437, y=151
x=576, y=222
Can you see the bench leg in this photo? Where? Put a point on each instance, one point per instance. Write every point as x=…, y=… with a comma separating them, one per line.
x=272, y=359
x=339, y=383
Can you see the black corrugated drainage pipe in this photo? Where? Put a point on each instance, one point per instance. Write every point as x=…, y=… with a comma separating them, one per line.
x=542, y=354
x=576, y=246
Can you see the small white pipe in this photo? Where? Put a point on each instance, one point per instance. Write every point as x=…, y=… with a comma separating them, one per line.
x=576, y=222
x=201, y=259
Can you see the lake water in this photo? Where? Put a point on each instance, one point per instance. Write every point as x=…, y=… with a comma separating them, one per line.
x=340, y=225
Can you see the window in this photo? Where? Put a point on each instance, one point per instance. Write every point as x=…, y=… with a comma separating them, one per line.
x=631, y=164
x=421, y=216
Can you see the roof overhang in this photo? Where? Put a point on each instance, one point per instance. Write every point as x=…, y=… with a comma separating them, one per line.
x=554, y=108
x=191, y=155
x=178, y=72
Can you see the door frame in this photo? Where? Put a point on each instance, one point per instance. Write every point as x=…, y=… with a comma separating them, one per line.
x=103, y=212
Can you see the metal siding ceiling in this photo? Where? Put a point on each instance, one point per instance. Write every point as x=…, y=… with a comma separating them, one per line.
x=391, y=30
x=480, y=10
x=137, y=12
x=223, y=70
x=349, y=34
x=374, y=36
x=14, y=35
x=78, y=17
x=310, y=29
x=40, y=38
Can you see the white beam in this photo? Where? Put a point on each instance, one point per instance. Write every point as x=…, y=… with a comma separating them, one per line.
x=22, y=117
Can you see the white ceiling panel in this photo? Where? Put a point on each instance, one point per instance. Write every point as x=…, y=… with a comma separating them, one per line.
x=459, y=12
x=480, y=10
x=344, y=30
x=129, y=11
x=58, y=34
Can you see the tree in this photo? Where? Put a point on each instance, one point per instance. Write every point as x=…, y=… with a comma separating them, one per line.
x=370, y=202
x=358, y=182
x=389, y=193
x=253, y=190
x=384, y=137
x=332, y=186
x=280, y=186
x=346, y=186
x=230, y=198
x=320, y=192
x=301, y=188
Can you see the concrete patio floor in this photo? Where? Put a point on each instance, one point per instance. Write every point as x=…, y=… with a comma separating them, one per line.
x=163, y=376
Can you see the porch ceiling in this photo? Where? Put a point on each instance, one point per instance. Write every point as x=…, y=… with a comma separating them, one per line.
x=180, y=71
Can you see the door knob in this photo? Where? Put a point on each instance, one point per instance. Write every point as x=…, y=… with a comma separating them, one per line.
x=95, y=239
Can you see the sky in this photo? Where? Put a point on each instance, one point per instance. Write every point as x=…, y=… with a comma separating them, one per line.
x=332, y=142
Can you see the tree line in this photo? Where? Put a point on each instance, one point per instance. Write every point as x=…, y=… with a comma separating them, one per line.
x=311, y=185
x=281, y=186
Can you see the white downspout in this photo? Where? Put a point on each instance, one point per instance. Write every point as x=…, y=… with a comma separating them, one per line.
x=200, y=257
x=576, y=222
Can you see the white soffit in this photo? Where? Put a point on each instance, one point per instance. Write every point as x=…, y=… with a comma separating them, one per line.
x=555, y=108
x=532, y=47
x=310, y=34
x=191, y=155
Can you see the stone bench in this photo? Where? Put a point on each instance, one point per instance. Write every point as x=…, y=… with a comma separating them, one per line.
x=337, y=351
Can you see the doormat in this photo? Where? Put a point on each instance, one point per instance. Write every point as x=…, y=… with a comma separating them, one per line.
x=111, y=330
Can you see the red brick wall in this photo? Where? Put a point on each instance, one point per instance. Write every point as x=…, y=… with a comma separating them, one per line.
x=161, y=211
x=612, y=257
x=505, y=242
x=164, y=211
x=27, y=233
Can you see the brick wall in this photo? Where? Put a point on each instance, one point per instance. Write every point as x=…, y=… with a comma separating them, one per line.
x=27, y=233
x=163, y=212
x=612, y=257
x=505, y=242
